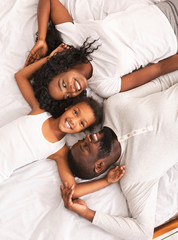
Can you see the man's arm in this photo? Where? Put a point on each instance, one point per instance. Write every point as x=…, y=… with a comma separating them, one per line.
x=76, y=205
x=139, y=226
x=87, y=187
x=157, y=85
x=149, y=73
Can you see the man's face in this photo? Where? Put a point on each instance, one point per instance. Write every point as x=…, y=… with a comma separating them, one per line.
x=93, y=147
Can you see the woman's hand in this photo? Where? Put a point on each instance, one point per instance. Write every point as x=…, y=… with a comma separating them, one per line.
x=60, y=48
x=115, y=174
x=38, y=51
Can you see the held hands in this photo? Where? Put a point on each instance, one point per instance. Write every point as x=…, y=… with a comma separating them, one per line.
x=75, y=205
x=38, y=51
x=78, y=205
x=115, y=174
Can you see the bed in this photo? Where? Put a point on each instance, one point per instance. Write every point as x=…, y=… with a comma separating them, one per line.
x=31, y=206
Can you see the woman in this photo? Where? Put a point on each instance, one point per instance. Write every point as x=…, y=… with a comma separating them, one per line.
x=138, y=42
x=45, y=70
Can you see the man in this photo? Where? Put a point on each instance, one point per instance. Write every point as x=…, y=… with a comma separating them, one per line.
x=146, y=130
x=94, y=150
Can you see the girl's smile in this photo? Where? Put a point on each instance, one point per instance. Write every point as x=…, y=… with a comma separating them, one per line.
x=76, y=118
x=67, y=124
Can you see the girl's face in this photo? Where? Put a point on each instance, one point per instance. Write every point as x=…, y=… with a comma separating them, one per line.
x=67, y=85
x=76, y=118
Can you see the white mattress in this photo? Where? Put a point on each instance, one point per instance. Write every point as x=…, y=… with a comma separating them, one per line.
x=31, y=207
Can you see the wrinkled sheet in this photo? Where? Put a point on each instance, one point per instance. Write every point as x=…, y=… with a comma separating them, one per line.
x=31, y=207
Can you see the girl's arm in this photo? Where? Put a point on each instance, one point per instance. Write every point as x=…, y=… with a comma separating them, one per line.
x=149, y=73
x=47, y=9
x=76, y=205
x=83, y=188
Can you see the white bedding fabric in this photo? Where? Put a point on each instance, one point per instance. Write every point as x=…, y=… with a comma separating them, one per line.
x=31, y=207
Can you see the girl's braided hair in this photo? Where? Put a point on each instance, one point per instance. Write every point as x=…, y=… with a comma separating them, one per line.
x=60, y=62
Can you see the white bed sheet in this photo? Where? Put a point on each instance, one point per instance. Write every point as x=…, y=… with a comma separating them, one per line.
x=31, y=207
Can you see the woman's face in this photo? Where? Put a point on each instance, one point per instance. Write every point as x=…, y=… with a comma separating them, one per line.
x=67, y=85
x=76, y=118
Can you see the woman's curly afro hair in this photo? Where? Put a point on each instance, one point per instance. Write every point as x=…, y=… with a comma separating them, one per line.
x=60, y=62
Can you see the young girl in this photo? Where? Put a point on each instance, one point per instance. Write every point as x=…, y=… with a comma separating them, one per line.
x=38, y=135
x=133, y=46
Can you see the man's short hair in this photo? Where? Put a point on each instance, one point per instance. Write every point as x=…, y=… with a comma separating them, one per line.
x=78, y=170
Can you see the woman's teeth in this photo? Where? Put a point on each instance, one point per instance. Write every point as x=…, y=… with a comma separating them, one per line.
x=77, y=86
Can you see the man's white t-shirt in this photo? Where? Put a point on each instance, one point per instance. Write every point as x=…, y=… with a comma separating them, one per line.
x=147, y=128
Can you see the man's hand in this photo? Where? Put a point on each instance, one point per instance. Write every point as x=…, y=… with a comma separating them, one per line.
x=115, y=174
x=38, y=51
x=75, y=205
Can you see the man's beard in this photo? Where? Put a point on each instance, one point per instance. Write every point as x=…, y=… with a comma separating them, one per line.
x=105, y=143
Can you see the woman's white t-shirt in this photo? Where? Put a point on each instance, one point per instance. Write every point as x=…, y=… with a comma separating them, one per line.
x=128, y=40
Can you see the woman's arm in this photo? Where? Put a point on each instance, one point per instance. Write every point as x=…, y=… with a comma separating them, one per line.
x=149, y=73
x=47, y=9
x=50, y=9
x=40, y=48
x=83, y=188
x=59, y=13
x=23, y=76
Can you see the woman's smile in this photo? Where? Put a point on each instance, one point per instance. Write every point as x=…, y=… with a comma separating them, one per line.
x=77, y=85
x=67, y=85
x=74, y=85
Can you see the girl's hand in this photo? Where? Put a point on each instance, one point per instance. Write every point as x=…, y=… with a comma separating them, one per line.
x=60, y=48
x=115, y=174
x=75, y=205
x=38, y=51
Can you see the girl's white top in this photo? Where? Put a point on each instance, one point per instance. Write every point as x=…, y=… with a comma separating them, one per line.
x=22, y=142
x=129, y=40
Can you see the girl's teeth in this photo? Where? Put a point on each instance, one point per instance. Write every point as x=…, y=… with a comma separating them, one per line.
x=67, y=124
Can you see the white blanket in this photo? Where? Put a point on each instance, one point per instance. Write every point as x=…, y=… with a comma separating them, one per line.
x=31, y=207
